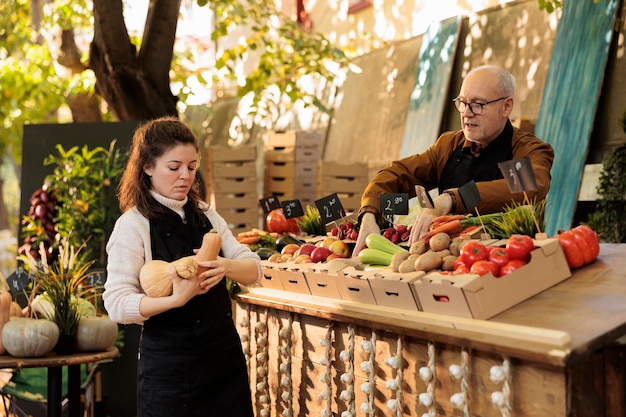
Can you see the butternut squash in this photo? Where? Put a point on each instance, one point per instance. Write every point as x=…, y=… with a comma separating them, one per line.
x=154, y=276
x=155, y=279
x=5, y=308
x=210, y=248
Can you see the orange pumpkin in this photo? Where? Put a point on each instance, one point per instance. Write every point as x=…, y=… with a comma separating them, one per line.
x=277, y=222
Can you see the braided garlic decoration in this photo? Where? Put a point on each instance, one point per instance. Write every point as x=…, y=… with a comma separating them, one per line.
x=262, y=358
x=326, y=377
x=502, y=374
x=347, y=377
x=395, y=384
x=369, y=346
x=245, y=337
x=461, y=372
x=286, y=382
x=427, y=374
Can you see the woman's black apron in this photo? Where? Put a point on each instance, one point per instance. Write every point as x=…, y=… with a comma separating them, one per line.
x=190, y=358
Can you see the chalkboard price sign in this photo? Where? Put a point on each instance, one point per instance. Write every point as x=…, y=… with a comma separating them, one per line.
x=330, y=208
x=269, y=203
x=292, y=208
x=18, y=281
x=397, y=203
x=96, y=277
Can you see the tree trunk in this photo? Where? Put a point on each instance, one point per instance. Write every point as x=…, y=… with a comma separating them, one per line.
x=135, y=85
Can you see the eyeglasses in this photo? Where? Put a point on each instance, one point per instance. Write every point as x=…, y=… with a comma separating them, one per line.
x=475, y=108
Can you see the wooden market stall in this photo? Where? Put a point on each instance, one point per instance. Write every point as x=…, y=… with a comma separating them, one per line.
x=556, y=354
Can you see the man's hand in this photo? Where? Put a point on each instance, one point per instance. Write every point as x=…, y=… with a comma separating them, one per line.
x=421, y=225
x=443, y=205
x=367, y=226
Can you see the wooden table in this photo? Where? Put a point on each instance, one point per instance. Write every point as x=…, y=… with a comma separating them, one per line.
x=563, y=339
x=55, y=363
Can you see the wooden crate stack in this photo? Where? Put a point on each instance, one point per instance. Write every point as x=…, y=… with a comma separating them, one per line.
x=347, y=180
x=291, y=165
x=232, y=186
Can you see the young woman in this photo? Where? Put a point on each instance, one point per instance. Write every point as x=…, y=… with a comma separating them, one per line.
x=190, y=356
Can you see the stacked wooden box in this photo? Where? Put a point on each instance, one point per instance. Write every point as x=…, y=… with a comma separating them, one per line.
x=347, y=180
x=232, y=186
x=291, y=165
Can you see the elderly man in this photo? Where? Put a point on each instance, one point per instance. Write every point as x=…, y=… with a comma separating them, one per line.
x=472, y=153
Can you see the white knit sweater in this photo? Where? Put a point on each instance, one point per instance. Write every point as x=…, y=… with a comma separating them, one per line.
x=129, y=248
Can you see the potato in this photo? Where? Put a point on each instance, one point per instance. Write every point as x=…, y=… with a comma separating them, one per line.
x=408, y=265
x=440, y=241
x=448, y=263
x=397, y=259
x=428, y=261
x=456, y=244
x=418, y=248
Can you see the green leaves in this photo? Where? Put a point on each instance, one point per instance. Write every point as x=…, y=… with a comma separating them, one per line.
x=286, y=58
x=84, y=182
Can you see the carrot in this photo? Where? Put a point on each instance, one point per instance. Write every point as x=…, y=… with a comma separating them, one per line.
x=248, y=240
x=448, y=217
x=452, y=228
x=470, y=228
x=249, y=233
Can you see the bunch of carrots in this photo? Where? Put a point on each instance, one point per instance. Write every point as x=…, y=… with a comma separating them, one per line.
x=452, y=224
x=254, y=236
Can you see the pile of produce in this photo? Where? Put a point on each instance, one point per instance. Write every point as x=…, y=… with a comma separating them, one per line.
x=447, y=246
x=448, y=254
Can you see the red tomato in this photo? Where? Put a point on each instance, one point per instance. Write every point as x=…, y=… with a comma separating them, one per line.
x=461, y=269
x=499, y=256
x=512, y=265
x=519, y=247
x=483, y=267
x=473, y=251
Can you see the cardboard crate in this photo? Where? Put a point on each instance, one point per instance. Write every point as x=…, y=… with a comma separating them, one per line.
x=232, y=169
x=354, y=285
x=393, y=289
x=227, y=201
x=341, y=170
x=235, y=185
x=269, y=279
x=343, y=185
x=294, y=138
x=293, y=154
x=291, y=277
x=291, y=169
x=305, y=199
x=322, y=279
x=482, y=297
x=248, y=215
x=226, y=154
x=289, y=188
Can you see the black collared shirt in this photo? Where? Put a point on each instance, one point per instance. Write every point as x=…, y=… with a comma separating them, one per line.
x=463, y=165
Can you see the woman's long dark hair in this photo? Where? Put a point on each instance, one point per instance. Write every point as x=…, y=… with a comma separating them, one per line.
x=151, y=140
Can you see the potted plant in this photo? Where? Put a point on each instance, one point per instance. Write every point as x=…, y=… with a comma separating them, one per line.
x=60, y=292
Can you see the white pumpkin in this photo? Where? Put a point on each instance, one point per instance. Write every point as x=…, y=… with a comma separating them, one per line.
x=95, y=333
x=25, y=337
